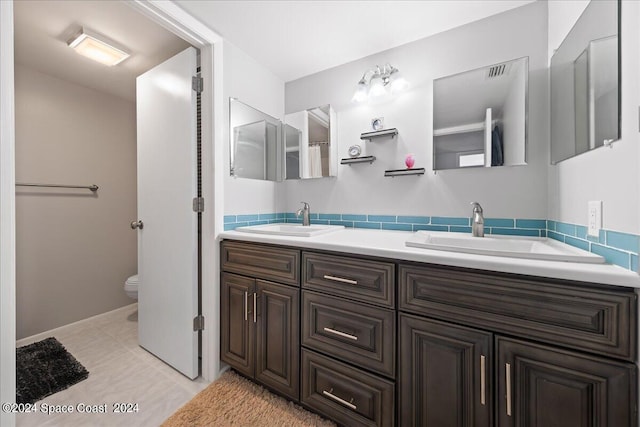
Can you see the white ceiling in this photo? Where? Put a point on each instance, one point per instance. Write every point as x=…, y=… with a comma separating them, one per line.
x=298, y=38
x=291, y=38
x=42, y=29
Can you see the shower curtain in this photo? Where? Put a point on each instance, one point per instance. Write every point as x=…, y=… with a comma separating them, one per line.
x=315, y=161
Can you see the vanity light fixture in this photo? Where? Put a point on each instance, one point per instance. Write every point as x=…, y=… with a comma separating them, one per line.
x=378, y=82
x=98, y=48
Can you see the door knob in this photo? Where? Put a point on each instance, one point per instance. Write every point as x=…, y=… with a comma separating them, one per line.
x=137, y=224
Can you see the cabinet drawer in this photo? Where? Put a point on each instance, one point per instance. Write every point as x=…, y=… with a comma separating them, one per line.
x=348, y=395
x=357, y=333
x=565, y=313
x=261, y=261
x=362, y=279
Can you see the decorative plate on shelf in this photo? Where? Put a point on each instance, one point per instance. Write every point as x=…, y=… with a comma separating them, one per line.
x=355, y=150
x=377, y=123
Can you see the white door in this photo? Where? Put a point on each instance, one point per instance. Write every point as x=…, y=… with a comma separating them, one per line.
x=167, y=240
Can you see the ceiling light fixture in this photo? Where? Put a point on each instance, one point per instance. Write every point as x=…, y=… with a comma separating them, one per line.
x=377, y=82
x=98, y=47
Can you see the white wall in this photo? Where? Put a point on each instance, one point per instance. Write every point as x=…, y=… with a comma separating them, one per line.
x=74, y=248
x=253, y=84
x=503, y=191
x=607, y=174
x=7, y=217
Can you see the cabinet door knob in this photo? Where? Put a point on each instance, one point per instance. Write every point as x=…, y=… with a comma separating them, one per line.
x=340, y=279
x=507, y=368
x=337, y=399
x=255, y=307
x=137, y=224
x=483, y=380
x=341, y=334
x=246, y=305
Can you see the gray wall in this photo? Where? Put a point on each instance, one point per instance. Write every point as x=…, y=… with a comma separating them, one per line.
x=74, y=249
x=519, y=191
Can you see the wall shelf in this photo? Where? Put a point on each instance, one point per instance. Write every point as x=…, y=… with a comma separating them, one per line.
x=404, y=172
x=363, y=159
x=379, y=134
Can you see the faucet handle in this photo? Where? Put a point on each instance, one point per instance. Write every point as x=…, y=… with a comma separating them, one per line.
x=476, y=207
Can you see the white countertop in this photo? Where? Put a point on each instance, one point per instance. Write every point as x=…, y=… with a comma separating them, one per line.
x=391, y=244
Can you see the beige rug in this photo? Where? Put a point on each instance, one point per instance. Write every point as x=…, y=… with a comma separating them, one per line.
x=236, y=401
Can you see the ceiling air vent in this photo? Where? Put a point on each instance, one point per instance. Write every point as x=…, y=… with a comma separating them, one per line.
x=497, y=70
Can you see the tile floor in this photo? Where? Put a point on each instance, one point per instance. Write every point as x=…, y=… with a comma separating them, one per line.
x=119, y=372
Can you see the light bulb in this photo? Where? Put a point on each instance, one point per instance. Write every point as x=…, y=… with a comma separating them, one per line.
x=377, y=88
x=361, y=93
x=399, y=83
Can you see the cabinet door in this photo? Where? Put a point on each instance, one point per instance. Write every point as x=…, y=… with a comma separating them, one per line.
x=278, y=337
x=445, y=374
x=237, y=327
x=545, y=386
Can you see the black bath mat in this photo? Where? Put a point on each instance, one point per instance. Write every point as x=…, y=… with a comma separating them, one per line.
x=44, y=368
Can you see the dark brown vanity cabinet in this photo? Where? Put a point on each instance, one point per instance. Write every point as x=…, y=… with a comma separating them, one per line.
x=375, y=342
x=349, y=338
x=260, y=335
x=548, y=375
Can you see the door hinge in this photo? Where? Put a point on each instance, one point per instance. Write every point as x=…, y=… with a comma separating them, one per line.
x=198, y=204
x=198, y=323
x=197, y=84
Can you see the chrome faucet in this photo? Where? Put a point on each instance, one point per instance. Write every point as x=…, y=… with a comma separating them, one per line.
x=477, y=220
x=304, y=211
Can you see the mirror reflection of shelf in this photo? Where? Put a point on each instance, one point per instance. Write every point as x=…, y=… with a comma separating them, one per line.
x=466, y=128
x=379, y=134
x=404, y=172
x=485, y=127
x=363, y=159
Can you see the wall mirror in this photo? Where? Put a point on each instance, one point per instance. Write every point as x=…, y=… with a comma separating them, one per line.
x=255, y=143
x=310, y=143
x=262, y=147
x=585, y=83
x=480, y=117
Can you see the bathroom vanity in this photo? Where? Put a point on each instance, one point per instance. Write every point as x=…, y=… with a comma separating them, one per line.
x=364, y=332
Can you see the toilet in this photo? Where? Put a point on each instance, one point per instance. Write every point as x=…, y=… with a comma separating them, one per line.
x=131, y=286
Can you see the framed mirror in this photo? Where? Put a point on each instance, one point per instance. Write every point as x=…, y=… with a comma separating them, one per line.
x=255, y=143
x=480, y=117
x=310, y=143
x=585, y=83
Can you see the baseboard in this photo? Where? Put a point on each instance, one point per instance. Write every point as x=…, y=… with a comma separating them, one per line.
x=51, y=332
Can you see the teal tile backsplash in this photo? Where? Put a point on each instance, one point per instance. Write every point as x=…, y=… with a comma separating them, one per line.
x=616, y=247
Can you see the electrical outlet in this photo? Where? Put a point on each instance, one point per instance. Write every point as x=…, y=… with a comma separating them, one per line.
x=595, y=218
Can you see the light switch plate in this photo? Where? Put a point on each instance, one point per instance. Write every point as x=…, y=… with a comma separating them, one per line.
x=594, y=218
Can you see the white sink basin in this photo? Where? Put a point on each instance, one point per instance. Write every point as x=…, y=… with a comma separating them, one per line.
x=508, y=246
x=291, y=229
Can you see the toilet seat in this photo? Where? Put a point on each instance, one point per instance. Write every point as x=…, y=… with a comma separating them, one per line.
x=131, y=286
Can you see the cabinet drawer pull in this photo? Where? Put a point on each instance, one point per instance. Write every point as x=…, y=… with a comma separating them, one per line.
x=255, y=307
x=340, y=279
x=246, y=305
x=507, y=367
x=341, y=334
x=337, y=399
x=483, y=380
